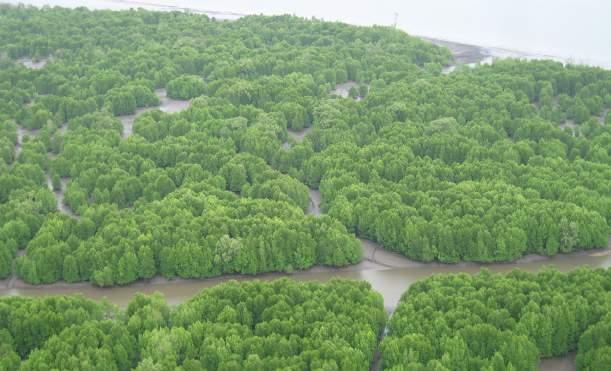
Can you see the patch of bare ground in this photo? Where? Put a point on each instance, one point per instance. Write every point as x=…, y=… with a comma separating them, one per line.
x=603, y=116
x=569, y=125
x=562, y=363
x=298, y=135
x=166, y=104
x=343, y=89
x=315, y=201
x=34, y=64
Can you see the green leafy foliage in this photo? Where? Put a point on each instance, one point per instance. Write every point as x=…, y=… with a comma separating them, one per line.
x=471, y=166
x=500, y=322
x=241, y=326
x=185, y=87
x=595, y=347
x=141, y=200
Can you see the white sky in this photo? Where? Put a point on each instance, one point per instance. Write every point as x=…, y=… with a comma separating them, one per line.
x=579, y=29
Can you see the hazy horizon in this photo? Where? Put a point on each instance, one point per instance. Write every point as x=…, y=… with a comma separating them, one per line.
x=566, y=29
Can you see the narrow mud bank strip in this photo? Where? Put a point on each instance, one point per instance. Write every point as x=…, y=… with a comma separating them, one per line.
x=377, y=358
x=562, y=363
x=21, y=134
x=315, y=202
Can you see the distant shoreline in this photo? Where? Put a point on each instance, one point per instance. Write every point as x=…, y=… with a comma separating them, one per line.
x=170, y=7
x=467, y=53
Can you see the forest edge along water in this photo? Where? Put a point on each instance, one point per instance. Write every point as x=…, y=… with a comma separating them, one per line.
x=390, y=280
x=389, y=273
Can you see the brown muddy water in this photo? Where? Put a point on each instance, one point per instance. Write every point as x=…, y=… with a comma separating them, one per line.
x=564, y=363
x=388, y=273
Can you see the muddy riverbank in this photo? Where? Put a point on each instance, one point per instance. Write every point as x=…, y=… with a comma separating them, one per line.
x=462, y=53
x=472, y=55
x=388, y=272
x=563, y=363
x=389, y=281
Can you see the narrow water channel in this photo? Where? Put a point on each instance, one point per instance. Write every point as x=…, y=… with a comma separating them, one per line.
x=33, y=64
x=21, y=134
x=166, y=104
x=390, y=282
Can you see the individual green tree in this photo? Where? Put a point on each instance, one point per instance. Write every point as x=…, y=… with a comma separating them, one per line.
x=71, y=272
x=128, y=268
x=185, y=87
x=146, y=261
x=6, y=261
x=363, y=90
x=164, y=185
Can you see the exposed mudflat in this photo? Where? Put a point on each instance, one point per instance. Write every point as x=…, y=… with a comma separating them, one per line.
x=166, y=104
x=63, y=129
x=344, y=89
x=169, y=105
x=19, y=144
x=563, y=363
x=128, y=121
x=390, y=282
x=473, y=55
x=569, y=125
x=315, y=201
x=375, y=253
x=298, y=135
x=59, y=196
x=603, y=116
x=21, y=134
x=33, y=64
x=463, y=53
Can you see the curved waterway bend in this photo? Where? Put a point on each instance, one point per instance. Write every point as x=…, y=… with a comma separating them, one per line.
x=166, y=104
x=390, y=282
x=388, y=273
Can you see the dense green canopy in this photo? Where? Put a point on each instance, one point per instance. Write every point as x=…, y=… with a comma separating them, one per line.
x=501, y=322
x=234, y=326
x=446, y=322
x=484, y=164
